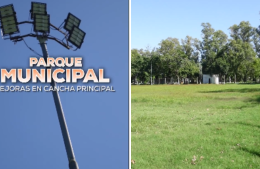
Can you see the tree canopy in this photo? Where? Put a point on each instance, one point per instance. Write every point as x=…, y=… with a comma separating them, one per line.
x=235, y=56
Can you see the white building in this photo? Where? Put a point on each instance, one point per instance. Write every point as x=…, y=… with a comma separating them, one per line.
x=210, y=79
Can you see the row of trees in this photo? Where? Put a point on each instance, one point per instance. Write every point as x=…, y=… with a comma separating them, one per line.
x=237, y=57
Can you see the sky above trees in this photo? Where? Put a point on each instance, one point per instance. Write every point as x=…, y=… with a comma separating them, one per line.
x=153, y=21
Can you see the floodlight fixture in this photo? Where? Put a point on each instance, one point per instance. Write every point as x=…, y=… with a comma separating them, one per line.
x=41, y=23
x=38, y=8
x=7, y=10
x=71, y=21
x=9, y=25
x=76, y=37
x=8, y=19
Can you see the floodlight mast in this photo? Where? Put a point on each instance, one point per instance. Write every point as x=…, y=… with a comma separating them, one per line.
x=64, y=129
x=76, y=37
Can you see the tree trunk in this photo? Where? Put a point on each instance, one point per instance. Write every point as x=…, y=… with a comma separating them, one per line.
x=178, y=79
x=224, y=79
x=245, y=78
x=156, y=79
x=235, y=80
x=197, y=80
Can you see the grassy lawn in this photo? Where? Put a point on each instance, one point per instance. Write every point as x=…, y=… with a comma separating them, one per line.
x=195, y=126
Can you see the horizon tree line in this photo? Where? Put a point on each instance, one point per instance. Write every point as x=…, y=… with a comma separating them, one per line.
x=236, y=58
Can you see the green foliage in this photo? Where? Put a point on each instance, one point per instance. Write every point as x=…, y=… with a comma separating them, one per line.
x=239, y=53
x=215, y=54
x=244, y=31
x=212, y=44
x=256, y=66
x=139, y=65
x=256, y=42
x=189, y=68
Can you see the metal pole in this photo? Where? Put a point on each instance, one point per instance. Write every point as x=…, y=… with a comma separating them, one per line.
x=151, y=73
x=64, y=129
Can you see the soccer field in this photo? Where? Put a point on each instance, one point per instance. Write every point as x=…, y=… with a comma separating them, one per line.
x=195, y=126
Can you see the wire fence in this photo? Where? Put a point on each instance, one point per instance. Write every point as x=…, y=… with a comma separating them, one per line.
x=171, y=81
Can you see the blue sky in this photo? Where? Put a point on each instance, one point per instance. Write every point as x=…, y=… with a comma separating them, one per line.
x=97, y=122
x=152, y=20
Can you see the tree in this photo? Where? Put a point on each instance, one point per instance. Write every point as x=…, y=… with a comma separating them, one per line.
x=189, y=68
x=135, y=64
x=222, y=62
x=256, y=65
x=244, y=40
x=246, y=69
x=213, y=42
x=238, y=52
x=190, y=48
x=256, y=41
x=153, y=62
x=139, y=65
x=244, y=31
x=207, y=34
x=171, y=56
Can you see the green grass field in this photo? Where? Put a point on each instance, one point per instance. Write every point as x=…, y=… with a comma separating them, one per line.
x=195, y=126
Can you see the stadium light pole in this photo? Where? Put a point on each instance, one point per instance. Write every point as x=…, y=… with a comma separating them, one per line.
x=41, y=23
x=64, y=129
